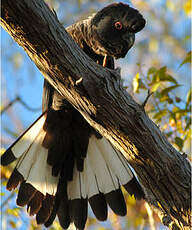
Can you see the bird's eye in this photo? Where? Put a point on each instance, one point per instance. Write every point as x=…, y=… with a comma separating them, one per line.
x=118, y=25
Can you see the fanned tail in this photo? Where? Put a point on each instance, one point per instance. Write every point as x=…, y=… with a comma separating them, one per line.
x=48, y=191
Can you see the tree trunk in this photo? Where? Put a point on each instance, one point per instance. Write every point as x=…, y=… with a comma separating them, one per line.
x=97, y=93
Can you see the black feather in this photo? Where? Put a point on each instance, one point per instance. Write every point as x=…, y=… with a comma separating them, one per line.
x=78, y=212
x=134, y=188
x=35, y=203
x=25, y=194
x=116, y=202
x=7, y=158
x=59, y=196
x=99, y=206
x=45, y=210
x=15, y=179
x=63, y=213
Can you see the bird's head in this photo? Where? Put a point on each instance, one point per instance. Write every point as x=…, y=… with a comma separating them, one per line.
x=114, y=29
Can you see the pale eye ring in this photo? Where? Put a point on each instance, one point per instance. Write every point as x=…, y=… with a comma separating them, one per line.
x=118, y=25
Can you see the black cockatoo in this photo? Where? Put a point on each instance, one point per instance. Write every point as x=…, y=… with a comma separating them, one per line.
x=62, y=162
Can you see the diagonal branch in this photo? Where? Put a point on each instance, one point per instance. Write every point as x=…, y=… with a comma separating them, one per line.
x=99, y=97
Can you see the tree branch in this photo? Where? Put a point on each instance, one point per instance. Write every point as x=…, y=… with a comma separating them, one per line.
x=97, y=94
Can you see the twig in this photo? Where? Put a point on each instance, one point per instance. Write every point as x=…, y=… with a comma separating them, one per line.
x=146, y=99
x=8, y=105
x=28, y=107
x=79, y=81
x=18, y=99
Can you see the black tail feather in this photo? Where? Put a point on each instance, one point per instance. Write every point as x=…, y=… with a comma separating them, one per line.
x=63, y=214
x=134, y=188
x=7, y=158
x=116, y=201
x=99, y=206
x=14, y=180
x=45, y=210
x=78, y=212
x=26, y=193
x=35, y=203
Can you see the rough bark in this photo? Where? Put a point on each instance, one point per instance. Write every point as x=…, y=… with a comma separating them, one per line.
x=97, y=93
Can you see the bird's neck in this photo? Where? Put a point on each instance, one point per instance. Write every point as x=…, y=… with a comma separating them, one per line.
x=83, y=34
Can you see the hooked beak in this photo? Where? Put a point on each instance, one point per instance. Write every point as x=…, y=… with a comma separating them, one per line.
x=128, y=41
x=129, y=38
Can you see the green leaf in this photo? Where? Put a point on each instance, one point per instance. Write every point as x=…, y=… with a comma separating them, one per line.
x=187, y=7
x=186, y=38
x=13, y=224
x=169, y=134
x=151, y=70
x=160, y=114
x=170, y=88
x=163, y=76
x=167, y=77
x=189, y=97
x=141, y=84
x=187, y=59
x=136, y=83
x=188, y=123
x=161, y=73
x=179, y=142
x=163, y=98
x=1, y=108
x=183, y=111
x=2, y=150
x=155, y=86
x=13, y=212
x=155, y=78
x=4, y=183
x=162, y=70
